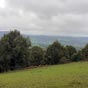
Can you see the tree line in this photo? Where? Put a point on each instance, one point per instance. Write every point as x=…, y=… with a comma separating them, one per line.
x=17, y=52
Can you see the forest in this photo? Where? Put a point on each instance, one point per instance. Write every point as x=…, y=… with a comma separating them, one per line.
x=17, y=52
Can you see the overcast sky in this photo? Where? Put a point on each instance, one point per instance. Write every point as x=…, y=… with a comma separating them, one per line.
x=45, y=17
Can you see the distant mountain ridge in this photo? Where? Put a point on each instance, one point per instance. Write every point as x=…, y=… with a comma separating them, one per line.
x=44, y=41
x=78, y=42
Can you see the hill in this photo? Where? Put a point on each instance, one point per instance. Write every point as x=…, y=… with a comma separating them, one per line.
x=78, y=42
x=44, y=41
x=73, y=75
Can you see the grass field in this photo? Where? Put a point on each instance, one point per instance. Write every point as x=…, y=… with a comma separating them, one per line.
x=73, y=75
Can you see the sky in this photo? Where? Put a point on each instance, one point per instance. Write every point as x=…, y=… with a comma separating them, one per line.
x=45, y=17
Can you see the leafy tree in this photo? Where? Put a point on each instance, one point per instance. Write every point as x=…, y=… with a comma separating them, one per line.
x=14, y=51
x=69, y=51
x=85, y=52
x=54, y=53
x=77, y=56
x=36, y=56
x=64, y=60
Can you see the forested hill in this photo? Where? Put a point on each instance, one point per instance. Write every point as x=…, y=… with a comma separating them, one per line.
x=78, y=42
x=44, y=41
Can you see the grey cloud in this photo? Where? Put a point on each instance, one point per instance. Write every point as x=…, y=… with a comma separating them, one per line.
x=53, y=17
x=51, y=6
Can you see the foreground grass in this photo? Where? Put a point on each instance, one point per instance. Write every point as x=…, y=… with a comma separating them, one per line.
x=74, y=75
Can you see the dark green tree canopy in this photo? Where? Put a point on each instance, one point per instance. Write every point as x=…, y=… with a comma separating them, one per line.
x=36, y=55
x=70, y=50
x=85, y=51
x=54, y=53
x=14, y=50
x=77, y=56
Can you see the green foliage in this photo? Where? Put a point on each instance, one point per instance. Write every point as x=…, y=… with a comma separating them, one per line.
x=77, y=56
x=85, y=52
x=64, y=60
x=36, y=56
x=54, y=53
x=14, y=51
x=69, y=51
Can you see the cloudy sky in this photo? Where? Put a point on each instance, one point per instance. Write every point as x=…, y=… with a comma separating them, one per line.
x=45, y=17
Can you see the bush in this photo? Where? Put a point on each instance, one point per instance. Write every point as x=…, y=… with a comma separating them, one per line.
x=77, y=57
x=69, y=51
x=85, y=52
x=64, y=60
x=36, y=56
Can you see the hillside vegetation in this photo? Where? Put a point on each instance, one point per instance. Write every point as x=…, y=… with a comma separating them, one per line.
x=73, y=75
x=17, y=52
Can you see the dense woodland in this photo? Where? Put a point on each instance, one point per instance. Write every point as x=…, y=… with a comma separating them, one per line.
x=16, y=52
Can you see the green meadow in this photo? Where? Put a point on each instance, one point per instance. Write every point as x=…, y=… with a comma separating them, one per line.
x=73, y=75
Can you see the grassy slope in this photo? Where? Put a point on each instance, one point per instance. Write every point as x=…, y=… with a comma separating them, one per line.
x=74, y=75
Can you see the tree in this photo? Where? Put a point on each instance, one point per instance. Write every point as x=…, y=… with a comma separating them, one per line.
x=36, y=56
x=77, y=56
x=69, y=51
x=14, y=51
x=85, y=52
x=54, y=53
x=64, y=60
